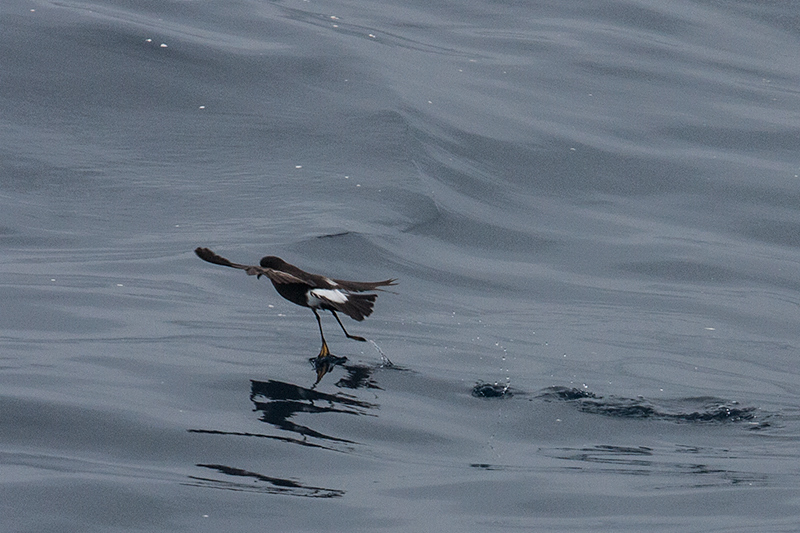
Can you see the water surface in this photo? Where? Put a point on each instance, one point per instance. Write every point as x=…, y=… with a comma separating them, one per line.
x=592, y=209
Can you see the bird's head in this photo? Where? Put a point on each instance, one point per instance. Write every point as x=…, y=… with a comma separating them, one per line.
x=275, y=263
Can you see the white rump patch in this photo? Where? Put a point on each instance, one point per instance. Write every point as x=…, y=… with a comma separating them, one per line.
x=316, y=297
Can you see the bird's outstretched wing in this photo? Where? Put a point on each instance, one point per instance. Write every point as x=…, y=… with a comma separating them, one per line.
x=360, y=286
x=252, y=270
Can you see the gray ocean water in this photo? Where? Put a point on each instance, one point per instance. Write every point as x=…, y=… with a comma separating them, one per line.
x=592, y=208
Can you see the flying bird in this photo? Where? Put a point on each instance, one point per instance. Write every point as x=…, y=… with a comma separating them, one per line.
x=311, y=290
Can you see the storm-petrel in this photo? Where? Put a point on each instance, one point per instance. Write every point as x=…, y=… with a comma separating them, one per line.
x=311, y=290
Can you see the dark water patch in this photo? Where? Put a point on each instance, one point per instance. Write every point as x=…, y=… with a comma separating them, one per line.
x=491, y=390
x=677, y=466
x=628, y=456
x=565, y=394
x=704, y=409
x=705, y=471
x=260, y=483
x=693, y=409
x=334, y=235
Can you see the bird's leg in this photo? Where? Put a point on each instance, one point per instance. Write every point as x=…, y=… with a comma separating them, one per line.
x=354, y=337
x=324, y=351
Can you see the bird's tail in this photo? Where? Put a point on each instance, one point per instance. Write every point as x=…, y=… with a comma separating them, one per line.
x=358, y=306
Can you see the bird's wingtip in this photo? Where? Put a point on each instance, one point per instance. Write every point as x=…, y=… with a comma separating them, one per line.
x=207, y=255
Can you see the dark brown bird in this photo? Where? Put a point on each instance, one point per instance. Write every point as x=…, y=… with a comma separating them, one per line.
x=311, y=290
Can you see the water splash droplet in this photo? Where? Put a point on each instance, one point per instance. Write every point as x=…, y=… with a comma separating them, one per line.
x=385, y=361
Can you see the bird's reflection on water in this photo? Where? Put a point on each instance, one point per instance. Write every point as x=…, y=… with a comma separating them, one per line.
x=325, y=363
x=258, y=483
x=357, y=375
x=278, y=402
